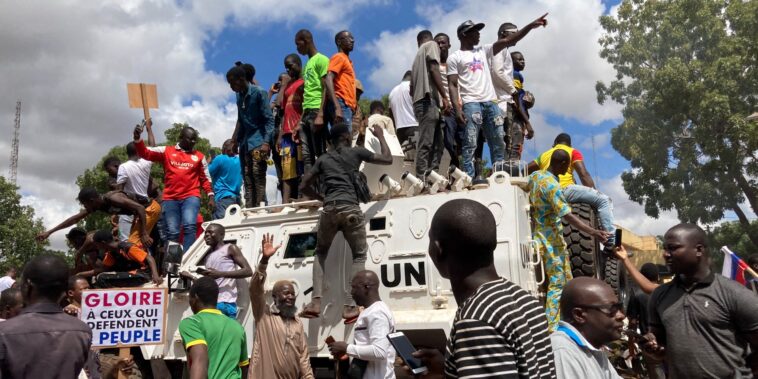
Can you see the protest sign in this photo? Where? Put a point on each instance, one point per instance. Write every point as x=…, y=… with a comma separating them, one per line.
x=122, y=317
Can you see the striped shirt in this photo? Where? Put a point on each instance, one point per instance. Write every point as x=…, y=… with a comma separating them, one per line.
x=499, y=332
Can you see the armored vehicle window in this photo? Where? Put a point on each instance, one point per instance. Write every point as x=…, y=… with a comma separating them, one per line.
x=301, y=245
x=379, y=223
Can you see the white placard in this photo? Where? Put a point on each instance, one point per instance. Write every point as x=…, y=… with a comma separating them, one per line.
x=122, y=317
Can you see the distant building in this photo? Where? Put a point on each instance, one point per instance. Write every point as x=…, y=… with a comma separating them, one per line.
x=642, y=249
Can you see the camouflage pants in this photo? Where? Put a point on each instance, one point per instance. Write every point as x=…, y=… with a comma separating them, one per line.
x=254, y=177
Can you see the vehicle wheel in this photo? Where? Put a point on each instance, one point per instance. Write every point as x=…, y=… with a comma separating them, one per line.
x=587, y=257
x=581, y=247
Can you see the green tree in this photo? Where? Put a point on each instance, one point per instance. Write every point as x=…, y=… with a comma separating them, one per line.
x=731, y=234
x=96, y=176
x=18, y=228
x=686, y=75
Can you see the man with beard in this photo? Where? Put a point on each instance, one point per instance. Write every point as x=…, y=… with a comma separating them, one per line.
x=216, y=345
x=591, y=316
x=280, y=349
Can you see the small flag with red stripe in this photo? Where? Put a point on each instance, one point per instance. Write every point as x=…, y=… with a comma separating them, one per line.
x=734, y=268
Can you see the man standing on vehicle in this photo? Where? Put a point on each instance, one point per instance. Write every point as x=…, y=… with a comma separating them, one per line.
x=221, y=264
x=312, y=132
x=428, y=105
x=549, y=208
x=340, y=83
x=574, y=193
x=337, y=171
x=216, y=346
x=254, y=130
x=226, y=173
x=371, y=347
x=280, y=347
x=469, y=77
x=186, y=171
x=703, y=325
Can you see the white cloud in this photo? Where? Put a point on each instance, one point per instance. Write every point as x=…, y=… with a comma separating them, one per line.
x=69, y=63
x=563, y=64
x=630, y=214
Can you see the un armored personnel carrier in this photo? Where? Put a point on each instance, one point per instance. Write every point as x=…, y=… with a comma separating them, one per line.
x=397, y=229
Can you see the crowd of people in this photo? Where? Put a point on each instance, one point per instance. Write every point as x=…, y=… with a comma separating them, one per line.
x=315, y=133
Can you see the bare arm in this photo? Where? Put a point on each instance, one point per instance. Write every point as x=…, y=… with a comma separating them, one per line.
x=198, y=355
x=150, y=135
x=244, y=272
x=306, y=186
x=122, y=201
x=584, y=175
x=385, y=158
x=259, y=278
x=71, y=221
x=532, y=167
x=452, y=82
x=153, y=270
x=332, y=95
x=437, y=81
x=512, y=39
x=584, y=227
x=645, y=285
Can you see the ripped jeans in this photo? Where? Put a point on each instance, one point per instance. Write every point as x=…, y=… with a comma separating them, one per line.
x=485, y=116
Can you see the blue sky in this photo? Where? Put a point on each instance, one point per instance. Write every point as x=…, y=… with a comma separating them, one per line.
x=85, y=52
x=266, y=48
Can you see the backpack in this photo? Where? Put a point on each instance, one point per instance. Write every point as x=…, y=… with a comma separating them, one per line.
x=360, y=183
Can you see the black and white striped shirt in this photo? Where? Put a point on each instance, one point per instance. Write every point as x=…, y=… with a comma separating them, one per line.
x=500, y=332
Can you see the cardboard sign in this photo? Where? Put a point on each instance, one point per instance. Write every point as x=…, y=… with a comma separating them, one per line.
x=122, y=317
x=142, y=95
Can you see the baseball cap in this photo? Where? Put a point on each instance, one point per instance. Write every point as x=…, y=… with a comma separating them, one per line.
x=358, y=85
x=469, y=25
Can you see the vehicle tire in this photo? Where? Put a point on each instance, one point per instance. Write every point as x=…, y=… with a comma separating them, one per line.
x=581, y=247
x=587, y=257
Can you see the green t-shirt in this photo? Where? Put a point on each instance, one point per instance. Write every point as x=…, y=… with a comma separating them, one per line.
x=225, y=339
x=315, y=69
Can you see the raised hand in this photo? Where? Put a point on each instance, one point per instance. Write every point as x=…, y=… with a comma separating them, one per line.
x=267, y=246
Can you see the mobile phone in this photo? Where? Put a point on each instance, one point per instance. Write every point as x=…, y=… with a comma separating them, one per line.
x=405, y=350
x=201, y=270
x=635, y=335
x=617, y=241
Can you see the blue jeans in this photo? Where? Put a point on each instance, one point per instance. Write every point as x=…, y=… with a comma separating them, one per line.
x=181, y=213
x=222, y=204
x=575, y=193
x=347, y=114
x=485, y=116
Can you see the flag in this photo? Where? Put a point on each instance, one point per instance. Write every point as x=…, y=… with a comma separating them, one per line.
x=734, y=268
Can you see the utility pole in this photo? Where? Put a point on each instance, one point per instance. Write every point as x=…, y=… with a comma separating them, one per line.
x=14, y=147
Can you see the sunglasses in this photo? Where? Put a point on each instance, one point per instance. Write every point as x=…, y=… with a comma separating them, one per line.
x=609, y=310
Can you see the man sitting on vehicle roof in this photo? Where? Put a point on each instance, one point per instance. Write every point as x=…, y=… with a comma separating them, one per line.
x=124, y=264
x=574, y=193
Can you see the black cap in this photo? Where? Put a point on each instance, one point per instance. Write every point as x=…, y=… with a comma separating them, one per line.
x=469, y=25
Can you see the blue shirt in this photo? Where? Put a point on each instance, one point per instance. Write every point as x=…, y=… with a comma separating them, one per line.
x=256, y=120
x=226, y=175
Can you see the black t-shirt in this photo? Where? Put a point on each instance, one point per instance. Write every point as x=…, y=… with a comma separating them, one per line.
x=638, y=308
x=331, y=171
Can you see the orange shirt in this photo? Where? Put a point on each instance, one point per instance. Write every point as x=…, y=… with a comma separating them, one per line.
x=344, y=78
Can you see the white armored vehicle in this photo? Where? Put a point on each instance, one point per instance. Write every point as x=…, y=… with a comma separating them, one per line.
x=397, y=229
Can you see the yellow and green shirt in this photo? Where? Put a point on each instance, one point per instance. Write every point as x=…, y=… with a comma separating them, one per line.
x=224, y=338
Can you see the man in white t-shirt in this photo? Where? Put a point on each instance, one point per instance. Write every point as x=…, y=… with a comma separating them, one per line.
x=8, y=280
x=133, y=178
x=374, y=324
x=469, y=77
x=507, y=94
x=401, y=109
